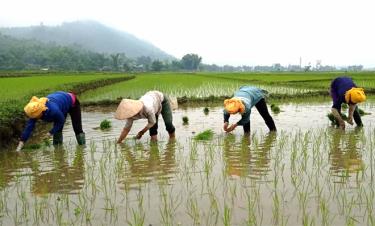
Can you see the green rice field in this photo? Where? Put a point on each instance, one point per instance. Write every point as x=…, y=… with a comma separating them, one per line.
x=16, y=87
x=307, y=173
x=201, y=85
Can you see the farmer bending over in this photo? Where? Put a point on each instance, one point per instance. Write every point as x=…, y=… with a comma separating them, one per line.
x=149, y=106
x=54, y=108
x=242, y=102
x=343, y=90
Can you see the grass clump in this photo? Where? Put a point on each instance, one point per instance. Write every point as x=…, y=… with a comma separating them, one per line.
x=275, y=109
x=206, y=110
x=32, y=146
x=105, y=124
x=185, y=120
x=362, y=112
x=205, y=135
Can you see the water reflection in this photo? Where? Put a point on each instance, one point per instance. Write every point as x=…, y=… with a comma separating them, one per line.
x=145, y=162
x=345, y=154
x=13, y=164
x=243, y=159
x=50, y=170
x=62, y=177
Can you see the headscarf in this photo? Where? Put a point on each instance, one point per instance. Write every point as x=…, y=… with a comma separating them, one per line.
x=36, y=107
x=234, y=105
x=355, y=95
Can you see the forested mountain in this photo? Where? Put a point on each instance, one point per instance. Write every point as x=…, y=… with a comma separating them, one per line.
x=32, y=54
x=91, y=36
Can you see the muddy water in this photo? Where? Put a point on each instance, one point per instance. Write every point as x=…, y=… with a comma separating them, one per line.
x=306, y=172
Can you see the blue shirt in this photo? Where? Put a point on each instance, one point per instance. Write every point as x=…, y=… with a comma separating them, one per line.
x=250, y=96
x=339, y=86
x=58, y=104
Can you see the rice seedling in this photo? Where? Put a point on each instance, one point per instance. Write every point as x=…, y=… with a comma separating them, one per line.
x=185, y=120
x=206, y=110
x=105, y=124
x=205, y=135
x=275, y=109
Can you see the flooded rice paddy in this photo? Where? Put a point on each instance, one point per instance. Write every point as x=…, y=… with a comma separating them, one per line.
x=308, y=173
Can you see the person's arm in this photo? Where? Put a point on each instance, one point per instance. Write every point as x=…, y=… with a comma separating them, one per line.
x=28, y=130
x=351, y=110
x=123, y=134
x=26, y=133
x=125, y=130
x=231, y=128
x=151, y=122
x=58, y=122
x=338, y=117
x=226, y=120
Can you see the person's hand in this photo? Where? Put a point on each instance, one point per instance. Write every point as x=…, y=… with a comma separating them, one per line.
x=342, y=125
x=139, y=135
x=226, y=126
x=350, y=120
x=48, y=135
x=20, y=146
x=231, y=128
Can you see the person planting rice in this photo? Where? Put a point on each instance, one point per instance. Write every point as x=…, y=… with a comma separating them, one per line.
x=242, y=102
x=343, y=90
x=54, y=108
x=149, y=107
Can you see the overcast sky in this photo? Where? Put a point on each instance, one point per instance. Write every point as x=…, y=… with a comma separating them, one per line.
x=236, y=32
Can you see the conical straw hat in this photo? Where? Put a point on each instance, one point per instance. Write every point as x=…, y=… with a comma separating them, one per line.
x=128, y=108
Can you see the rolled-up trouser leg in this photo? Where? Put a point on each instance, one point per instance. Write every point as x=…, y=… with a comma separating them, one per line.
x=58, y=138
x=166, y=113
x=357, y=117
x=263, y=111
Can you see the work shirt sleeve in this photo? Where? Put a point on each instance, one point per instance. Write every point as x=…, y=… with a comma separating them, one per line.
x=28, y=129
x=151, y=120
x=129, y=123
x=58, y=122
x=226, y=116
x=245, y=118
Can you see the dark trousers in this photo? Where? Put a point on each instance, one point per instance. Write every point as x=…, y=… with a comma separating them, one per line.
x=261, y=106
x=357, y=117
x=75, y=115
x=166, y=113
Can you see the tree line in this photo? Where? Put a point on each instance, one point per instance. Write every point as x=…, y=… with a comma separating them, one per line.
x=16, y=54
x=25, y=54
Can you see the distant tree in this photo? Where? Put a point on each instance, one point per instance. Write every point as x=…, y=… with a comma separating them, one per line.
x=175, y=65
x=144, y=61
x=157, y=65
x=127, y=66
x=307, y=68
x=191, y=61
x=115, y=60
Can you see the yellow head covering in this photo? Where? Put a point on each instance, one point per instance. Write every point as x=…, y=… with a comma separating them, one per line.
x=234, y=105
x=35, y=107
x=355, y=95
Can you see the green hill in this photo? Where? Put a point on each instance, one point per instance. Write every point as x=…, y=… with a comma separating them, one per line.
x=91, y=36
